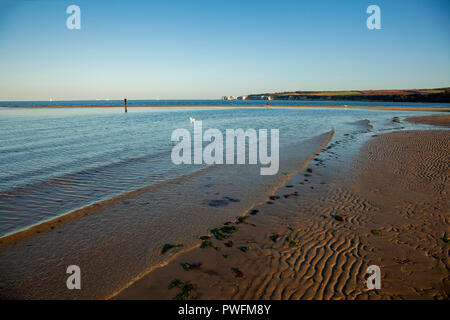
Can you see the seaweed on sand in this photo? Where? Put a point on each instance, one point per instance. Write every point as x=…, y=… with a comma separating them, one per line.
x=175, y=283
x=274, y=237
x=229, y=243
x=169, y=246
x=241, y=219
x=189, y=266
x=295, y=194
x=186, y=289
x=206, y=244
x=224, y=232
x=245, y=248
x=292, y=242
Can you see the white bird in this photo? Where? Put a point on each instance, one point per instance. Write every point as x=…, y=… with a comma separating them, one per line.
x=191, y=120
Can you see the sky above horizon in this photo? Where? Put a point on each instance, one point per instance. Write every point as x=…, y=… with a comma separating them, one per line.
x=205, y=49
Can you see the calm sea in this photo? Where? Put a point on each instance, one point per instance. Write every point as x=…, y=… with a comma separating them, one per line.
x=215, y=103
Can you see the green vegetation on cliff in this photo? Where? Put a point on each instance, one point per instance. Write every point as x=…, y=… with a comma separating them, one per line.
x=409, y=95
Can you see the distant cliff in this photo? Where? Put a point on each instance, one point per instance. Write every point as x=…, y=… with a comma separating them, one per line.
x=412, y=95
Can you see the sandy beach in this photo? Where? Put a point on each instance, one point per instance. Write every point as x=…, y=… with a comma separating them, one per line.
x=315, y=237
x=435, y=120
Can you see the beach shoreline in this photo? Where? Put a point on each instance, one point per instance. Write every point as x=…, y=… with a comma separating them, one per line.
x=123, y=237
x=288, y=227
x=317, y=244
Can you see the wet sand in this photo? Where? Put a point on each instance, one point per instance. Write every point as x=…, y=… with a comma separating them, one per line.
x=316, y=237
x=433, y=120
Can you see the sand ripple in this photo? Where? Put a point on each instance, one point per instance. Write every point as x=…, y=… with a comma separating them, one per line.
x=391, y=209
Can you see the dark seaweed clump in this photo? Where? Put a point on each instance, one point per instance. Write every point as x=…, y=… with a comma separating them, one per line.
x=169, y=246
x=292, y=242
x=189, y=266
x=274, y=237
x=186, y=289
x=245, y=249
x=229, y=243
x=241, y=219
x=224, y=232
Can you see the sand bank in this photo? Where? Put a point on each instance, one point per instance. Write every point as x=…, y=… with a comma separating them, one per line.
x=318, y=234
x=434, y=120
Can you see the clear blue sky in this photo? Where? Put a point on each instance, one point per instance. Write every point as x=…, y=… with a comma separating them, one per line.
x=171, y=49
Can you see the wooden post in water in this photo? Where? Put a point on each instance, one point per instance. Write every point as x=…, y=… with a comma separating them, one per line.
x=125, y=101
